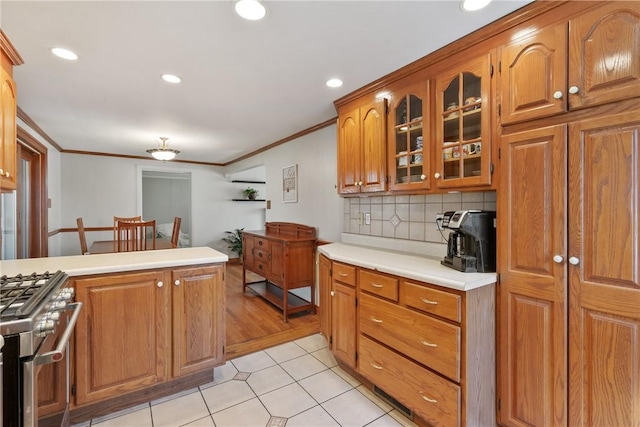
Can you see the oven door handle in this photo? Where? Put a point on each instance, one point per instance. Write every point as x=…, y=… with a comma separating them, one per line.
x=58, y=354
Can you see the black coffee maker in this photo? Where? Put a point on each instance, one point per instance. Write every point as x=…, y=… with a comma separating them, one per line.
x=472, y=243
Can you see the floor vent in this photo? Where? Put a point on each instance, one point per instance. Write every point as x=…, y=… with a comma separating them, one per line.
x=393, y=402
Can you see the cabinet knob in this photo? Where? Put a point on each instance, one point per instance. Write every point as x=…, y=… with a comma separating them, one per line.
x=177, y=283
x=333, y=294
x=436, y=175
x=160, y=284
x=558, y=259
x=360, y=183
x=7, y=174
x=574, y=260
x=423, y=177
x=1, y=172
x=573, y=90
x=557, y=94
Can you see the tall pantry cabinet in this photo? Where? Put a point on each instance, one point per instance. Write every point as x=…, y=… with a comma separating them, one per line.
x=569, y=229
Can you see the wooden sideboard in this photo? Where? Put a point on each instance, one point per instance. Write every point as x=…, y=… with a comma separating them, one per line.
x=283, y=254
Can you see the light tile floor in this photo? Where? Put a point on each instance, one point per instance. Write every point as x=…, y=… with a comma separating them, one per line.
x=297, y=384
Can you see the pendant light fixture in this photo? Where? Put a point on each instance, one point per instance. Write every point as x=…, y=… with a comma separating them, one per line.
x=163, y=153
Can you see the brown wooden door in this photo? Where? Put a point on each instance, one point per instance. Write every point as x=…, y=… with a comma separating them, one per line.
x=198, y=318
x=8, y=130
x=604, y=54
x=349, y=151
x=324, y=281
x=532, y=70
x=120, y=349
x=532, y=355
x=343, y=323
x=374, y=136
x=462, y=124
x=604, y=250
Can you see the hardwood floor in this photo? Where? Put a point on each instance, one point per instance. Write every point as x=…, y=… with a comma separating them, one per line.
x=254, y=324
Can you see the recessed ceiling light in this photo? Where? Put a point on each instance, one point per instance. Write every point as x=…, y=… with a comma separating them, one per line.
x=64, y=53
x=334, y=83
x=171, y=78
x=252, y=10
x=472, y=5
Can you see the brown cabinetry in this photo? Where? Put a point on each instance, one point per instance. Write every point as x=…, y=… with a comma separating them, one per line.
x=463, y=125
x=362, y=147
x=582, y=62
x=429, y=347
x=284, y=256
x=134, y=327
x=324, y=290
x=409, y=138
x=570, y=293
x=8, y=112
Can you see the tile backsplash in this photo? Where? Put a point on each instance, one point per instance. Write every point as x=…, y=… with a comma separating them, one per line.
x=409, y=217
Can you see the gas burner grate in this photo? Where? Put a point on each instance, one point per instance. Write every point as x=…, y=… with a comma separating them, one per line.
x=20, y=295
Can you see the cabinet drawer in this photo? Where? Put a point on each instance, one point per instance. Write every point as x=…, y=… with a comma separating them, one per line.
x=431, y=397
x=378, y=284
x=433, y=301
x=429, y=341
x=261, y=267
x=344, y=273
x=261, y=255
x=261, y=243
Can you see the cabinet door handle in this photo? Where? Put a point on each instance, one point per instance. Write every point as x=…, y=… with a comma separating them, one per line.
x=374, y=320
x=1, y=171
x=333, y=294
x=557, y=94
x=177, y=283
x=375, y=285
x=375, y=366
x=427, y=343
x=160, y=284
x=343, y=274
x=574, y=260
x=427, y=398
x=558, y=259
x=573, y=90
x=423, y=177
x=426, y=301
x=436, y=175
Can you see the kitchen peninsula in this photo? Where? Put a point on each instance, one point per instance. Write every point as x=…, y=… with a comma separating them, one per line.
x=133, y=338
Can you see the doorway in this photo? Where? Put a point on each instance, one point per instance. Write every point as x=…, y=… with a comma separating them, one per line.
x=164, y=196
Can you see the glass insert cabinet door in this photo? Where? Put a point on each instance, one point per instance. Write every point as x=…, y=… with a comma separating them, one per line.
x=463, y=137
x=409, y=156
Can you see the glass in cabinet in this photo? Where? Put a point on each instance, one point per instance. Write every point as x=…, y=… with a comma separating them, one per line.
x=409, y=145
x=463, y=134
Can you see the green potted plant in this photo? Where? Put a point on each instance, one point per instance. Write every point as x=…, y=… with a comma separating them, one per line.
x=251, y=193
x=234, y=238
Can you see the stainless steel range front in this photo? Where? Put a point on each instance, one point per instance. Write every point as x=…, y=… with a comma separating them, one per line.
x=31, y=307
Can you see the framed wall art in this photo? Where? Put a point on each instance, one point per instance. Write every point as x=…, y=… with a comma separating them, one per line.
x=290, y=184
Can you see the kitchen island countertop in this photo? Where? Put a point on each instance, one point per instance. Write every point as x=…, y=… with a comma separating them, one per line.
x=81, y=265
x=422, y=268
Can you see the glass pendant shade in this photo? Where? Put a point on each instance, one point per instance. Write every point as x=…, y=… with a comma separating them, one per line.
x=163, y=153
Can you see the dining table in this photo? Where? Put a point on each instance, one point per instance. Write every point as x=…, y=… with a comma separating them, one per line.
x=109, y=246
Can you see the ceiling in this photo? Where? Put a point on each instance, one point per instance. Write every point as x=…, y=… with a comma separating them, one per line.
x=245, y=84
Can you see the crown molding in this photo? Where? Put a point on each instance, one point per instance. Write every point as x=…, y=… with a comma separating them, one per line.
x=9, y=49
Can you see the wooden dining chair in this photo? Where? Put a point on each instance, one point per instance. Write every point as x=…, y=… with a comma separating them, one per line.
x=117, y=219
x=136, y=236
x=83, y=238
x=175, y=235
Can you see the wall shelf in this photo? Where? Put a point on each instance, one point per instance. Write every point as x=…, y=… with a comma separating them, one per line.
x=249, y=200
x=248, y=182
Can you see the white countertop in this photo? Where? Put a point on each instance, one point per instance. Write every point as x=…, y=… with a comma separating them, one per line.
x=80, y=265
x=424, y=269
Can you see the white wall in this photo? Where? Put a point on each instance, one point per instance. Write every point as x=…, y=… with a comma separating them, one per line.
x=98, y=187
x=318, y=202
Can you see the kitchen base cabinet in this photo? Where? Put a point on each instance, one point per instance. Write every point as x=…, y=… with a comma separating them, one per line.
x=139, y=330
x=8, y=111
x=430, y=348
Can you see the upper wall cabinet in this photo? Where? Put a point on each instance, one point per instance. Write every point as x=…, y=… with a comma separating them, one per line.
x=463, y=132
x=361, y=147
x=8, y=148
x=409, y=140
x=548, y=72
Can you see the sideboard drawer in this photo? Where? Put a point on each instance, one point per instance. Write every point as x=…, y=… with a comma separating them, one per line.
x=433, y=301
x=344, y=273
x=261, y=255
x=378, y=284
x=425, y=339
x=261, y=243
x=431, y=397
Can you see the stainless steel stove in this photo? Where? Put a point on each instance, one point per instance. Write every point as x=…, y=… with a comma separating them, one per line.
x=31, y=307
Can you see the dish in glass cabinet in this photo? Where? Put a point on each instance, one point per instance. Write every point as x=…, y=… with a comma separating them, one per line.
x=414, y=178
x=476, y=173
